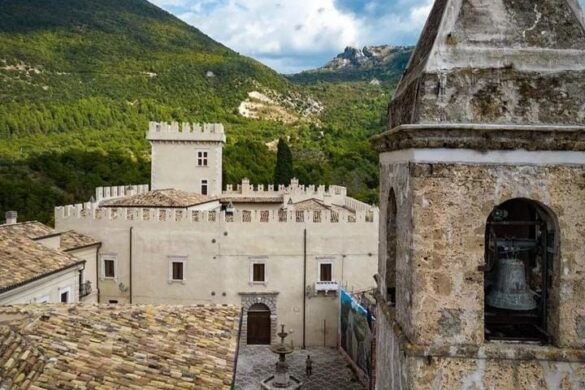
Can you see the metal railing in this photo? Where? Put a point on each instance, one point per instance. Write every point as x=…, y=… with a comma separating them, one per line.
x=84, y=289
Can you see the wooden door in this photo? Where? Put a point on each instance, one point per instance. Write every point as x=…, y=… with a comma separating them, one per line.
x=258, y=327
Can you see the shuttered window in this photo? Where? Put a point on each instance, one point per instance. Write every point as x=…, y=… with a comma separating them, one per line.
x=177, y=269
x=325, y=272
x=109, y=268
x=258, y=274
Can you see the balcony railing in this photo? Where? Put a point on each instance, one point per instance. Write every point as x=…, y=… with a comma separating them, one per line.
x=84, y=289
x=326, y=286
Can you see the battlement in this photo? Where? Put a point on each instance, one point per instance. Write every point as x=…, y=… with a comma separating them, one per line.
x=174, y=131
x=294, y=188
x=103, y=193
x=91, y=211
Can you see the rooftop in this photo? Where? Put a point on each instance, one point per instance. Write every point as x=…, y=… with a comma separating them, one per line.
x=160, y=198
x=35, y=230
x=74, y=240
x=117, y=346
x=30, y=229
x=23, y=260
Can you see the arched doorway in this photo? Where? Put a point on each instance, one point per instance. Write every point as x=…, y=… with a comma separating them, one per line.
x=520, y=247
x=258, y=324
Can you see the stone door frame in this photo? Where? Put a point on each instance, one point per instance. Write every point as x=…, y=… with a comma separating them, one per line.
x=266, y=298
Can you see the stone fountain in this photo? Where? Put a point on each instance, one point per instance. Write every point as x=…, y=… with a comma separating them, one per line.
x=281, y=378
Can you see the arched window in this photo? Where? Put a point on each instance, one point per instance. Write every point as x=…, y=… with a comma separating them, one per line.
x=391, y=238
x=519, y=254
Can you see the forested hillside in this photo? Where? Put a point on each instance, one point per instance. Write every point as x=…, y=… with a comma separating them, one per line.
x=80, y=79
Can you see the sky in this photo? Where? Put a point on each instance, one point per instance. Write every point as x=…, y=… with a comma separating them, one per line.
x=294, y=35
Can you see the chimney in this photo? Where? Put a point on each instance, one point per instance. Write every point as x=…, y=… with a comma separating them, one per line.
x=11, y=217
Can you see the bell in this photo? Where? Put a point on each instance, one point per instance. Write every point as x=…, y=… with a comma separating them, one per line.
x=510, y=290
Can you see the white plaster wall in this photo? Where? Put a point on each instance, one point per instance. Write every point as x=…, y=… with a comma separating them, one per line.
x=174, y=165
x=50, y=286
x=218, y=261
x=90, y=271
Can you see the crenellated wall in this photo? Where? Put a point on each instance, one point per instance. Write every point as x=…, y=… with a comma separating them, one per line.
x=91, y=211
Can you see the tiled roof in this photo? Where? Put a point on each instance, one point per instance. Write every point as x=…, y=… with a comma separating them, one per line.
x=311, y=204
x=31, y=229
x=72, y=240
x=23, y=260
x=159, y=198
x=117, y=346
x=251, y=199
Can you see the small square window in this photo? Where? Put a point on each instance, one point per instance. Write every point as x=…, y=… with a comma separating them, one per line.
x=109, y=268
x=201, y=158
x=65, y=297
x=325, y=272
x=258, y=272
x=177, y=270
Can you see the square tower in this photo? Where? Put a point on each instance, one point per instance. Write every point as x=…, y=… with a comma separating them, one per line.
x=482, y=242
x=187, y=157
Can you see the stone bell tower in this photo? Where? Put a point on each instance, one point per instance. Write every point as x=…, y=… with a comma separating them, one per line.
x=187, y=157
x=482, y=235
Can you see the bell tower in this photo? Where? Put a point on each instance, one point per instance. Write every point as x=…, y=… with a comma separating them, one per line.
x=187, y=157
x=482, y=187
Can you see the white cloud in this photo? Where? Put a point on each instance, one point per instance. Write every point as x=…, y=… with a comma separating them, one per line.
x=269, y=27
x=291, y=35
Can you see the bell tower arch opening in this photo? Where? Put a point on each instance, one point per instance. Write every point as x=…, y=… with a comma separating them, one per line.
x=391, y=233
x=520, y=249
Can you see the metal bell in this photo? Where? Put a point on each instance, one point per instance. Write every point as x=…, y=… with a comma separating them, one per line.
x=510, y=290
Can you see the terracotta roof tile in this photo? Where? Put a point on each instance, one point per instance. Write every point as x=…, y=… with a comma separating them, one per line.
x=120, y=346
x=72, y=240
x=31, y=229
x=23, y=260
x=159, y=198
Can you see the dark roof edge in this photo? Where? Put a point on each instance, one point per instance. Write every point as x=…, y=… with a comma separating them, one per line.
x=97, y=243
x=12, y=287
x=112, y=206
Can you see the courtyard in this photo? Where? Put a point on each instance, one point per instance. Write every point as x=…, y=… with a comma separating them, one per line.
x=330, y=371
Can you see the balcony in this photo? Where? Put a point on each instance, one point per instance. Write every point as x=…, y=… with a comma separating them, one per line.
x=326, y=287
x=84, y=289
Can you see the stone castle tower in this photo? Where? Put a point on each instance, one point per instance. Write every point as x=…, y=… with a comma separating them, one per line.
x=186, y=157
x=482, y=235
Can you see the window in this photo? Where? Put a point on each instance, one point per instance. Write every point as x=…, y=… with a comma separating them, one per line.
x=109, y=267
x=258, y=272
x=325, y=272
x=204, y=187
x=65, y=297
x=201, y=158
x=177, y=269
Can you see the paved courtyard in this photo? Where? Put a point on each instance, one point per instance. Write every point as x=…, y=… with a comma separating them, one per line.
x=329, y=369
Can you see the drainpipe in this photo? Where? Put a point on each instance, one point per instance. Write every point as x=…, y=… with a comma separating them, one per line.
x=130, y=246
x=97, y=271
x=304, y=285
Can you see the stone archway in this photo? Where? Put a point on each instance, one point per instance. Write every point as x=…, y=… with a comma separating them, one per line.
x=250, y=301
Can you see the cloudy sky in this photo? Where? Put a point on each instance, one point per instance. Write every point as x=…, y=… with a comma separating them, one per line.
x=293, y=35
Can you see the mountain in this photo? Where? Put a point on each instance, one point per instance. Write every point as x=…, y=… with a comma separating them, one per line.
x=80, y=79
x=383, y=63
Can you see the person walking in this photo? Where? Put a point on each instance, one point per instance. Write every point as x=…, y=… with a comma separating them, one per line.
x=309, y=365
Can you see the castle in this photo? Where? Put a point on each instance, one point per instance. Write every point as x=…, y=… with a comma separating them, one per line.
x=281, y=253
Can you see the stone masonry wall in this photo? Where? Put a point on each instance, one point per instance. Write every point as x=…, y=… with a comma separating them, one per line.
x=451, y=205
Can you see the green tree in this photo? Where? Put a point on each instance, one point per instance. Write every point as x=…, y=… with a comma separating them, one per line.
x=283, y=170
